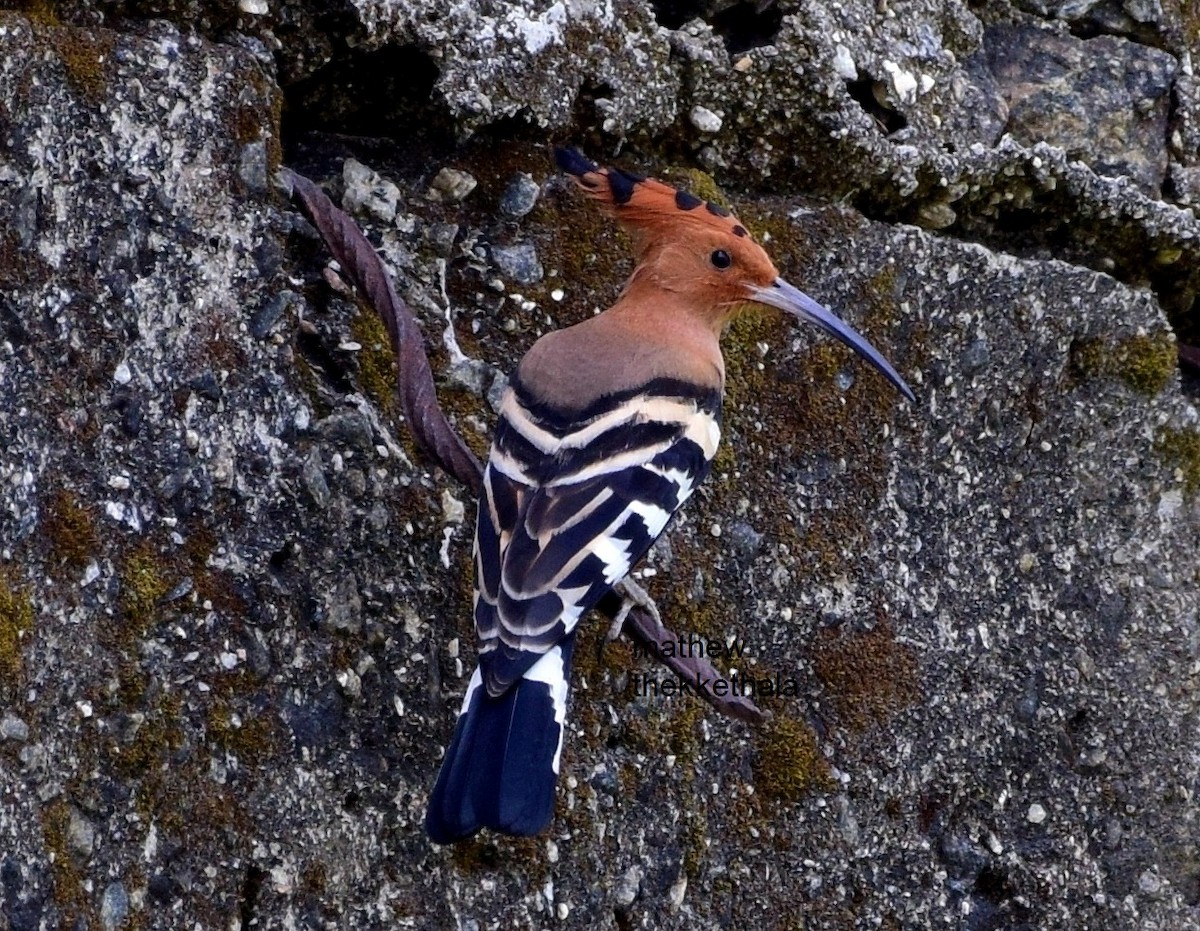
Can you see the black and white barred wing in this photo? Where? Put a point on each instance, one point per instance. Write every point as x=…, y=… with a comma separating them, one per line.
x=565, y=515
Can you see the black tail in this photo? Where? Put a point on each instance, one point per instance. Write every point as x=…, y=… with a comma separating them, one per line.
x=501, y=766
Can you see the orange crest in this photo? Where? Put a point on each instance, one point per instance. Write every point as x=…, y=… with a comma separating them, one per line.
x=650, y=210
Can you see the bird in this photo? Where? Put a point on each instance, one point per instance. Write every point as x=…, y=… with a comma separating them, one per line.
x=605, y=429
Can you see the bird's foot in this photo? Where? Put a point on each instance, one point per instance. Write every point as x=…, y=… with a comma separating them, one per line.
x=632, y=596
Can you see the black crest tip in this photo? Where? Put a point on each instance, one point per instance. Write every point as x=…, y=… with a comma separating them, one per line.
x=573, y=162
x=622, y=184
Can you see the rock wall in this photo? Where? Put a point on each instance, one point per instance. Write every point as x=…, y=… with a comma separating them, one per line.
x=234, y=600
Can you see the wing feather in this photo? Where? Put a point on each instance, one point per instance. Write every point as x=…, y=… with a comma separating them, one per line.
x=550, y=547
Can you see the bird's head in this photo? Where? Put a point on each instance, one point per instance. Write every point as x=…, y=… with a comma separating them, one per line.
x=701, y=253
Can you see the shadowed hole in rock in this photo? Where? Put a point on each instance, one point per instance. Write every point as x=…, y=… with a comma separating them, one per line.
x=588, y=113
x=748, y=25
x=994, y=903
x=871, y=95
x=742, y=26
x=251, y=887
x=371, y=95
x=12, y=327
x=671, y=14
x=281, y=557
x=315, y=351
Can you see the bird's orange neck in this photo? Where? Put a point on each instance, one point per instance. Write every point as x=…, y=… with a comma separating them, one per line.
x=646, y=304
x=649, y=332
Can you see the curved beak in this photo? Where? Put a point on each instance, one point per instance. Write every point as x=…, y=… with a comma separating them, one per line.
x=794, y=301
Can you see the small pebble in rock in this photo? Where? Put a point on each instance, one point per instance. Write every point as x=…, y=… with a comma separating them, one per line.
x=705, y=120
x=628, y=886
x=936, y=216
x=473, y=374
x=1036, y=814
x=114, y=907
x=520, y=195
x=348, y=428
x=90, y=574
x=745, y=539
x=343, y=607
x=122, y=375
x=252, y=167
x=441, y=237
x=181, y=590
x=351, y=682
x=843, y=64
x=13, y=728
x=1144, y=11
x=206, y=385
x=367, y=190
x=313, y=475
x=975, y=356
x=495, y=394
x=453, y=510
x=450, y=186
x=519, y=263
x=81, y=833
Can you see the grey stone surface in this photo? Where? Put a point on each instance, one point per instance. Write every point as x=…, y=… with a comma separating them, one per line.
x=247, y=629
x=520, y=195
x=450, y=185
x=114, y=908
x=365, y=190
x=1103, y=100
x=497, y=61
x=518, y=262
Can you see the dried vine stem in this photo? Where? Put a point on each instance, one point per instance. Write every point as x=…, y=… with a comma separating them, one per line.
x=418, y=398
x=438, y=440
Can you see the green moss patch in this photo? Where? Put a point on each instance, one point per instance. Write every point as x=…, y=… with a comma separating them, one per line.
x=70, y=893
x=789, y=763
x=238, y=727
x=1180, y=449
x=85, y=55
x=376, y=362
x=1146, y=363
x=70, y=529
x=868, y=676
x=495, y=853
x=16, y=622
x=146, y=577
x=149, y=740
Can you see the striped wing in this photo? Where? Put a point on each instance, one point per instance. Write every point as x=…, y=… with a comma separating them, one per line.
x=570, y=504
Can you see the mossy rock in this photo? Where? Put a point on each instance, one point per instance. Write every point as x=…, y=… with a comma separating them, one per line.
x=16, y=622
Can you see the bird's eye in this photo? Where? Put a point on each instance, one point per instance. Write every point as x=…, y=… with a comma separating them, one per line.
x=721, y=259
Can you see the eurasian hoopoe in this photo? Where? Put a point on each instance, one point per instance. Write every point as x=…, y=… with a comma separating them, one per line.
x=605, y=430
